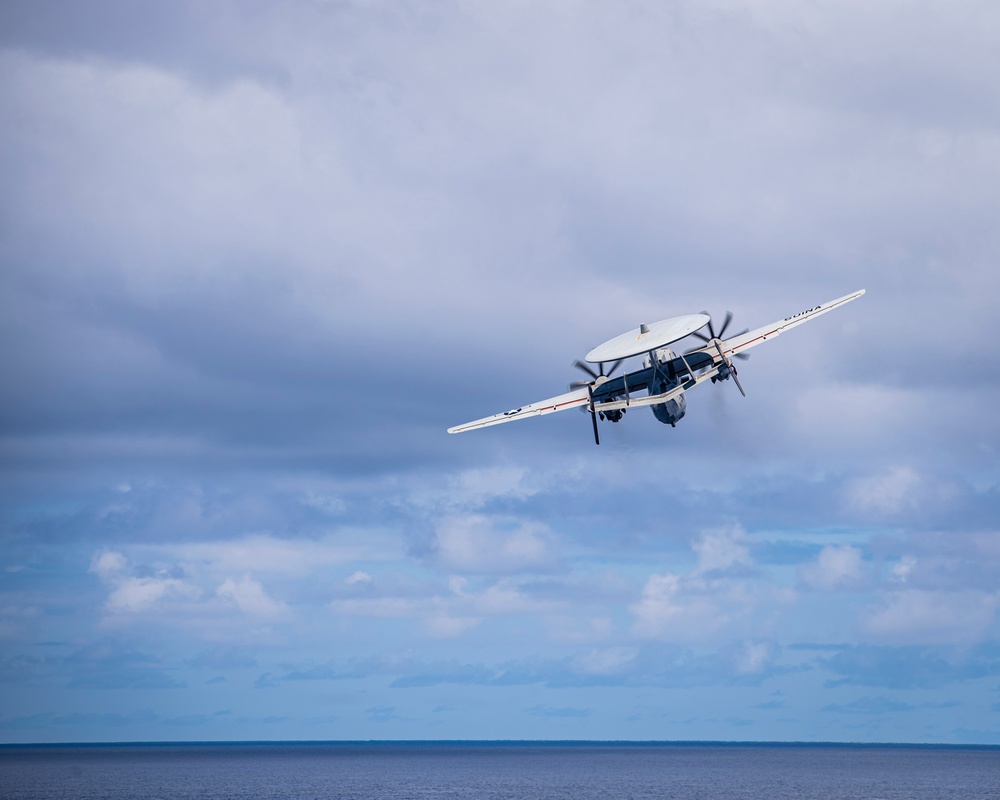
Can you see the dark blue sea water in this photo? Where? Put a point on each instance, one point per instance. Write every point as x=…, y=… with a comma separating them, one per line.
x=490, y=770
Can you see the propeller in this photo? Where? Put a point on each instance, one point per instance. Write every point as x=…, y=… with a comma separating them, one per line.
x=722, y=332
x=731, y=367
x=595, y=375
x=715, y=339
x=590, y=387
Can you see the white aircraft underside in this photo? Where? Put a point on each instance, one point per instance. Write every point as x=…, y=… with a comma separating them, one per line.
x=665, y=377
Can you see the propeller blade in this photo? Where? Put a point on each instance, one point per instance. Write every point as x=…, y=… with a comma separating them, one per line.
x=615, y=366
x=732, y=371
x=593, y=414
x=586, y=368
x=725, y=324
x=741, y=356
x=711, y=328
x=732, y=368
x=722, y=332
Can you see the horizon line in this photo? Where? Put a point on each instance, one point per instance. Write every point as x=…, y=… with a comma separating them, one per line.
x=500, y=742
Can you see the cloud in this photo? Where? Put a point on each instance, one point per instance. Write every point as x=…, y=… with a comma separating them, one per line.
x=249, y=596
x=443, y=612
x=901, y=571
x=481, y=544
x=916, y=616
x=475, y=488
x=888, y=493
x=698, y=605
x=836, y=567
x=909, y=666
x=108, y=564
x=181, y=596
x=359, y=578
x=663, y=610
x=133, y=595
x=722, y=550
x=754, y=657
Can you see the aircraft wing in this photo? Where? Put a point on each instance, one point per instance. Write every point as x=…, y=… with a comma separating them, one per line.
x=575, y=399
x=745, y=341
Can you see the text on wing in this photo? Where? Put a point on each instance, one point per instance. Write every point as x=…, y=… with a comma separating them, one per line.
x=803, y=313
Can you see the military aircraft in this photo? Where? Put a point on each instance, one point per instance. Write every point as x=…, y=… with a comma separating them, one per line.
x=665, y=376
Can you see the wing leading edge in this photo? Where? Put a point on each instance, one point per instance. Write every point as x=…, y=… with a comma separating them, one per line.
x=745, y=341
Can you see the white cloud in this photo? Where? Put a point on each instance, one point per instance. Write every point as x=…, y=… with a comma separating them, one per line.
x=359, y=578
x=184, y=597
x=477, y=486
x=889, y=493
x=504, y=598
x=107, y=564
x=482, y=544
x=903, y=568
x=724, y=588
x=836, y=567
x=249, y=596
x=133, y=595
x=677, y=609
x=722, y=549
x=753, y=657
x=445, y=611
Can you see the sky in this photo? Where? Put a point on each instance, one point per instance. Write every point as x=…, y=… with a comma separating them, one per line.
x=256, y=258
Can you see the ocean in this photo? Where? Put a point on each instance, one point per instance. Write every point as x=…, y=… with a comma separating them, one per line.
x=495, y=770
